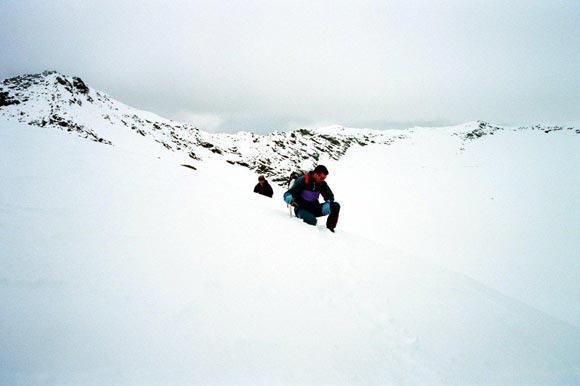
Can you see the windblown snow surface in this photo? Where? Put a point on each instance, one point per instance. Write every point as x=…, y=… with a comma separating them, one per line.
x=119, y=268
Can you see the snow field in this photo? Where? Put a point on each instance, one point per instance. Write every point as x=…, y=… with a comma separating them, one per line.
x=123, y=269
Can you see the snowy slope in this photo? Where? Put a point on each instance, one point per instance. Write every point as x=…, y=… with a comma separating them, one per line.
x=121, y=268
x=505, y=210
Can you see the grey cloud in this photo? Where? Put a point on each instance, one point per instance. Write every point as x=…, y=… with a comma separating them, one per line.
x=265, y=65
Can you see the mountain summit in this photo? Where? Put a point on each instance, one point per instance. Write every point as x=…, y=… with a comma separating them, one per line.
x=54, y=100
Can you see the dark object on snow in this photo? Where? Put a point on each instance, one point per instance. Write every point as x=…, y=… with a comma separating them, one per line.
x=263, y=187
x=7, y=100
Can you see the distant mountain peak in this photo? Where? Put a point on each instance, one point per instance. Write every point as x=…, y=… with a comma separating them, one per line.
x=55, y=100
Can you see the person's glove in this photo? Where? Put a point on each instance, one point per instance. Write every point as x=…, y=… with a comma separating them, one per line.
x=326, y=208
x=288, y=198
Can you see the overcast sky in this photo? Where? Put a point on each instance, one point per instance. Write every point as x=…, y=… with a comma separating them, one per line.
x=275, y=65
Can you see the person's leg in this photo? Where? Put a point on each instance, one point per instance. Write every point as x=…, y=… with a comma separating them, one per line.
x=305, y=215
x=333, y=216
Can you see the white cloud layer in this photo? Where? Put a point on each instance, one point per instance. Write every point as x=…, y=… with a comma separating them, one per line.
x=265, y=65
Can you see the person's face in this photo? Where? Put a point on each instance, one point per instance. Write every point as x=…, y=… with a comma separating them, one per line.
x=261, y=181
x=319, y=177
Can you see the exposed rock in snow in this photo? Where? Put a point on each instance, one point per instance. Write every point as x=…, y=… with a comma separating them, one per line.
x=66, y=103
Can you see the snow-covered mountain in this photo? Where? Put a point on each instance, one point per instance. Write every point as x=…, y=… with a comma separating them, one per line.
x=67, y=103
x=54, y=100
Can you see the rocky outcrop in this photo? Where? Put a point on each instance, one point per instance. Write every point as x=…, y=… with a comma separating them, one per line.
x=67, y=103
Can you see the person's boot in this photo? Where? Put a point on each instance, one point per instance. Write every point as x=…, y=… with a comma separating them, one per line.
x=331, y=221
x=333, y=216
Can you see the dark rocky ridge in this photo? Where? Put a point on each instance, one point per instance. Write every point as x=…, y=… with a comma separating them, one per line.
x=54, y=100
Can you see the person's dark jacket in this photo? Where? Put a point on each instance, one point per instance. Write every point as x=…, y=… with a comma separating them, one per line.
x=306, y=194
x=265, y=190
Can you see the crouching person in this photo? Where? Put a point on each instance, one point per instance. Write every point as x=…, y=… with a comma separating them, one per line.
x=304, y=196
x=263, y=187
